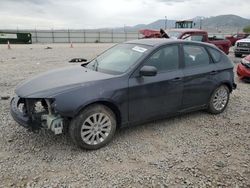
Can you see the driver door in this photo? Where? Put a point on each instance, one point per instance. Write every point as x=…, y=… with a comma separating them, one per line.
x=159, y=95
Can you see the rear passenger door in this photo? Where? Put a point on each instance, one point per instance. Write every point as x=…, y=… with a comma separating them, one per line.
x=199, y=76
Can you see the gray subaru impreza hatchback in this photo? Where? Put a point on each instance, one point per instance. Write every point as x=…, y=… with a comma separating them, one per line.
x=131, y=83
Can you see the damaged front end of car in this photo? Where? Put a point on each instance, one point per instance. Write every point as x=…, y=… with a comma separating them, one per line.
x=36, y=114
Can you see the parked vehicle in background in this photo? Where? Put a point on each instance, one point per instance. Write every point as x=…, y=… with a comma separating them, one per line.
x=192, y=35
x=184, y=24
x=148, y=33
x=131, y=83
x=236, y=37
x=243, y=69
x=242, y=47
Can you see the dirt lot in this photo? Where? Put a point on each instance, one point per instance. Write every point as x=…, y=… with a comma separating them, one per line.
x=192, y=150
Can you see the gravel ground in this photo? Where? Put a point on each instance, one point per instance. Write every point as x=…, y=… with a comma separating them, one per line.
x=191, y=150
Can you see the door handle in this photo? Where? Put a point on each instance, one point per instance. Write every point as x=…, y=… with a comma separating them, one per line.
x=213, y=72
x=176, y=79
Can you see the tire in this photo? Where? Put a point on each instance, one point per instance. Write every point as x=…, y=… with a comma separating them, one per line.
x=221, y=94
x=93, y=128
x=238, y=55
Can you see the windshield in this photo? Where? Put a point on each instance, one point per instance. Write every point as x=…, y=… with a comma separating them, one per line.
x=174, y=34
x=118, y=59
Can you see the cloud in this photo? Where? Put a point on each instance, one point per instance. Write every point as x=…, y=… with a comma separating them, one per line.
x=172, y=1
x=83, y=14
x=30, y=1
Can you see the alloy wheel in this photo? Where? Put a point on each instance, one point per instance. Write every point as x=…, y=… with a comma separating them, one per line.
x=96, y=128
x=220, y=98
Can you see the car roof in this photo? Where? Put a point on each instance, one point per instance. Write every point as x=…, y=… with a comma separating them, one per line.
x=154, y=42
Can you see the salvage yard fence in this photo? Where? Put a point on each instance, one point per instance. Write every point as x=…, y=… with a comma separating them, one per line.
x=86, y=36
x=80, y=36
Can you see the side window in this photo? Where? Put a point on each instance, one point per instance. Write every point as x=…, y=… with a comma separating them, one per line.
x=167, y=58
x=190, y=37
x=240, y=36
x=197, y=38
x=216, y=55
x=195, y=56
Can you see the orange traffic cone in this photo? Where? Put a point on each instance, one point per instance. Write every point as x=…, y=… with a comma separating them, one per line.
x=9, y=45
x=71, y=45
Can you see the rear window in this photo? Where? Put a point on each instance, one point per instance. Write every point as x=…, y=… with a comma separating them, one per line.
x=216, y=55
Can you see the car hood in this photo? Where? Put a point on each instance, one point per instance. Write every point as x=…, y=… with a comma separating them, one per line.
x=58, y=81
x=244, y=40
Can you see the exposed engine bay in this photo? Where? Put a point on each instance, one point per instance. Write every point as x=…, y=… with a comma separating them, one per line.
x=39, y=113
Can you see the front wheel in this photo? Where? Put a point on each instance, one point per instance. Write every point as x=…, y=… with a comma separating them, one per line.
x=94, y=127
x=219, y=100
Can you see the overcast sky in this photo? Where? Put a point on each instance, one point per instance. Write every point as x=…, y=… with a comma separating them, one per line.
x=83, y=14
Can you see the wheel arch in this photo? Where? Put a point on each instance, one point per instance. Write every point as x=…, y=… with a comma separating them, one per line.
x=230, y=87
x=210, y=108
x=111, y=105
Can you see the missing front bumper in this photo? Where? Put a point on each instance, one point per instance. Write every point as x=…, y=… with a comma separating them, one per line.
x=20, y=117
x=34, y=119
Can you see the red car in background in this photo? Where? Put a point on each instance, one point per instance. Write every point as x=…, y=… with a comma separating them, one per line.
x=148, y=33
x=189, y=34
x=235, y=37
x=243, y=69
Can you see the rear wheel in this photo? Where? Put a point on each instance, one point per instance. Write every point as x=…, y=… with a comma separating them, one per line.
x=93, y=128
x=219, y=100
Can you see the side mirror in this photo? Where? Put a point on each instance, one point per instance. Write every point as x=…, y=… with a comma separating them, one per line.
x=148, y=71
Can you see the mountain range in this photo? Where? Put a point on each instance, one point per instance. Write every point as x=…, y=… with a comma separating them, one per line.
x=222, y=23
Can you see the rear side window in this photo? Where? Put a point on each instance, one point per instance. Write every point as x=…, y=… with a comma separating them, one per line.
x=195, y=56
x=216, y=55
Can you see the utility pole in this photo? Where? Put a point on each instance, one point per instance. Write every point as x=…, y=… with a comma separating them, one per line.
x=200, y=23
x=166, y=22
x=36, y=35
